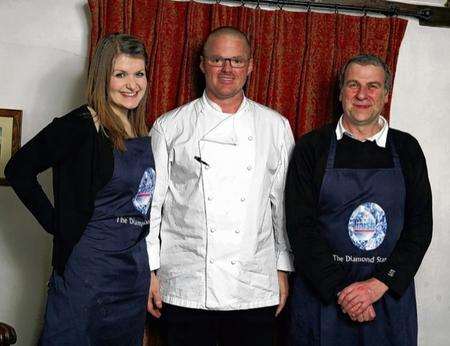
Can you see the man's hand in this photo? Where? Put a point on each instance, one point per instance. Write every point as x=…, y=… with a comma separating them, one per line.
x=284, y=290
x=154, y=303
x=366, y=316
x=357, y=297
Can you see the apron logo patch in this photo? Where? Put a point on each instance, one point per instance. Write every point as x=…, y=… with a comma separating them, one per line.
x=367, y=226
x=145, y=192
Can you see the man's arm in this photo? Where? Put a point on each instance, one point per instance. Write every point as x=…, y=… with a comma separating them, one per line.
x=161, y=157
x=313, y=256
x=401, y=266
x=282, y=248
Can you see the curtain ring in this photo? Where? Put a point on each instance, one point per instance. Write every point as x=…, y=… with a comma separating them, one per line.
x=218, y=2
x=336, y=9
x=280, y=5
x=257, y=5
x=242, y=3
x=393, y=11
x=308, y=6
x=364, y=11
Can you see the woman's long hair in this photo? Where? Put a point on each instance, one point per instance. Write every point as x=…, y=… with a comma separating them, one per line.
x=100, y=71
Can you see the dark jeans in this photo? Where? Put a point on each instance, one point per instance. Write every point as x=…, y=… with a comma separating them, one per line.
x=193, y=327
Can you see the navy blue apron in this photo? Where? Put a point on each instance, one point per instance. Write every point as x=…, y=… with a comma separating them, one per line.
x=102, y=297
x=361, y=215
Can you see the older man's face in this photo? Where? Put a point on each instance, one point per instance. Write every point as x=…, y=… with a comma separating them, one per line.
x=363, y=95
x=226, y=82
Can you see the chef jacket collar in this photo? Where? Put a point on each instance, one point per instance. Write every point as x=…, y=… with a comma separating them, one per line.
x=210, y=104
x=380, y=137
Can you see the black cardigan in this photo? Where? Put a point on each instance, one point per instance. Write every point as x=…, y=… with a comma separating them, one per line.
x=82, y=161
x=313, y=257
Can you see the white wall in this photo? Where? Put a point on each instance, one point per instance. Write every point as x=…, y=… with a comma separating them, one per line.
x=421, y=106
x=43, y=49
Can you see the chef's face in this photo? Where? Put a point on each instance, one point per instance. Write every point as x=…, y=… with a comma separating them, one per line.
x=226, y=82
x=363, y=94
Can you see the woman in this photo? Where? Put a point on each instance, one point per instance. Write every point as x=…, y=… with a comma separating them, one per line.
x=103, y=180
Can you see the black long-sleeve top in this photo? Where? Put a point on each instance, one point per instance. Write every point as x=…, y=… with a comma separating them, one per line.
x=82, y=162
x=313, y=255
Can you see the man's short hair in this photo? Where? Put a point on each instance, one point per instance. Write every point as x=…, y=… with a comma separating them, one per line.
x=227, y=30
x=367, y=59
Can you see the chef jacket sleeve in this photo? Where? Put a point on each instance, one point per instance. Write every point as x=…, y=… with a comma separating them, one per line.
x=161, y=157
x=282, y=247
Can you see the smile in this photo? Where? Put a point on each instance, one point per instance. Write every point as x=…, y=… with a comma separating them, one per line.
x=361, y=106
x=129, y=94
x=226, y=79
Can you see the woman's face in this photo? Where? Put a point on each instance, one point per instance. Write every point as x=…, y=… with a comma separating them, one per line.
x=128, y=83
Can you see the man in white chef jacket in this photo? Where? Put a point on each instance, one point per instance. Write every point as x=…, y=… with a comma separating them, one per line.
x=217, y=246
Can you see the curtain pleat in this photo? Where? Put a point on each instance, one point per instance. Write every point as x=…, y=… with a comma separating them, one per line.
x=297, y=55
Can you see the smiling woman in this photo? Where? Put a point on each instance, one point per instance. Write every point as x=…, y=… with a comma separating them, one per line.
x=104, y=177
x=128, y=84
x=117, y=87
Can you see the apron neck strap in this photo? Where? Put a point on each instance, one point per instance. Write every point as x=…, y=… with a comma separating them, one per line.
x=332, y=152
x=394, y=153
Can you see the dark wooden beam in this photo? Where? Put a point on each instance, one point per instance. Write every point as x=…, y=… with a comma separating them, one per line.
x=426, y=14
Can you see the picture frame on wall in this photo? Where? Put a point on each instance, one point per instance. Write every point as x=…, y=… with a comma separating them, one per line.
x=10, y=134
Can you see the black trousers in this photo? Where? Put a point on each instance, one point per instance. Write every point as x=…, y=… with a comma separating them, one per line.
x=193, y=327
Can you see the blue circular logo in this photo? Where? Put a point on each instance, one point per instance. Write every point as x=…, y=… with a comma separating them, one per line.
x=367, y=226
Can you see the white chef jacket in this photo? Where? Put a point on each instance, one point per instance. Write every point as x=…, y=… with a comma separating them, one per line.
x=217, y=224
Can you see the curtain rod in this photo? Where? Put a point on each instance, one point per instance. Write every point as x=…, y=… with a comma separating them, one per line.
x=427, y=15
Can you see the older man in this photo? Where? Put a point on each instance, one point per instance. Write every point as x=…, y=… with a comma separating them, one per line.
x=222, y=255
x=358, y=209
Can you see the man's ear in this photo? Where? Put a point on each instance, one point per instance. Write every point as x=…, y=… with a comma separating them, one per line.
x=250, y=66
x=386, y=97
x=202, y=64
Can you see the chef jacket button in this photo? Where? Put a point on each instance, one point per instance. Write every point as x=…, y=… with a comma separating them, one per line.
x=211, y=261
x=233, y=262
x=210, y=198
x=250, y=138
x=212, y=230
x=242, y=199
x=237, y=231
x=249, y=168
x=206, y=167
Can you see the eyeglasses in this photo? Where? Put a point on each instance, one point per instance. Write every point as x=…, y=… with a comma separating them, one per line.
x=219, y=61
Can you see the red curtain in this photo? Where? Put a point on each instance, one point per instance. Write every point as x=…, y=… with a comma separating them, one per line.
x=297, y=55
